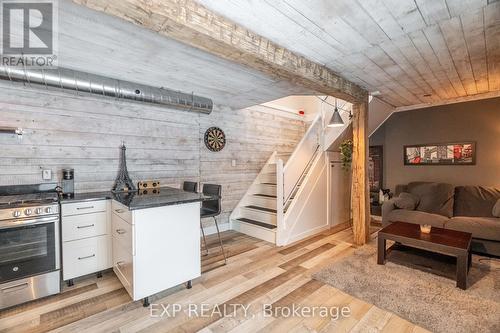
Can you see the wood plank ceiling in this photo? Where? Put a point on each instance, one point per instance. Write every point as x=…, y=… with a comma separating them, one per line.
x=94, y=42
x=412, y=51
x=194, y=25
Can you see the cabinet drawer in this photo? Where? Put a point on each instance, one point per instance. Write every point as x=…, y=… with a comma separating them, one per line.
x=83, y=207
x=122, y=232
x=123, y=266
x=84, y=226
x=121, y=211
x=85, y=256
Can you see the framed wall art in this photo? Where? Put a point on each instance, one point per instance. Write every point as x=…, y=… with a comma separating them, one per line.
x=461, y=153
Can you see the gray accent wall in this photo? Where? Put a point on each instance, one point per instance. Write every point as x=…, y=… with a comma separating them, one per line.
x=84, y=132
x=477, y=121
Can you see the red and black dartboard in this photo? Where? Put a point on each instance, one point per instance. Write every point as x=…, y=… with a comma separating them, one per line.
x=215, y=139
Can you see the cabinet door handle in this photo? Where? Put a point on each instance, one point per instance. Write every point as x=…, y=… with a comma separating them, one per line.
x=87, y=257
x=85, y=226
x=120, y=231
x=119, y=211
x=88, y=207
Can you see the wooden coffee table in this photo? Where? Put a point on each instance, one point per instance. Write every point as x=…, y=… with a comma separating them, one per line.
x=448, y=242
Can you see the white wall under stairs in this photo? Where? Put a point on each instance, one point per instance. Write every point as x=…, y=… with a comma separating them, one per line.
x=308, y=212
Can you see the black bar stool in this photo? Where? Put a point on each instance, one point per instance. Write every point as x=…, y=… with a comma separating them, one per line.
x=193, y=187
x=190, y=187
x=212, y=208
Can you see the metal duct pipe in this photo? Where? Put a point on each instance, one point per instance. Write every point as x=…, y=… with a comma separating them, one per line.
x=100, y=85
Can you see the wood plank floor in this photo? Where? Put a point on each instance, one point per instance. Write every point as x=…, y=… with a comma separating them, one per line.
x=257, y=274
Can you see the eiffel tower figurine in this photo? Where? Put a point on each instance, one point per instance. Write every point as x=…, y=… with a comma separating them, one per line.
x=123, y=181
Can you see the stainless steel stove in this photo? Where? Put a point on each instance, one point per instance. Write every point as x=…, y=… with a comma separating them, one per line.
x=29, y=243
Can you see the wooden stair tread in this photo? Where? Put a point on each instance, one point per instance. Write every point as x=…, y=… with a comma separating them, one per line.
x=264, y=209
x=265, y=195
x=257, y=223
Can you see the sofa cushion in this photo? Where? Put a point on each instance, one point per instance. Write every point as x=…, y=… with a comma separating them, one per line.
x=435, y=198
x=416, y=217
x=496, y=209
x=480, y=227
x=406, y=201
x=475, y=201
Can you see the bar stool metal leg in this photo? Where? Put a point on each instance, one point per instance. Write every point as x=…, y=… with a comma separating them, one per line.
x=204, y=239
x=220, y=241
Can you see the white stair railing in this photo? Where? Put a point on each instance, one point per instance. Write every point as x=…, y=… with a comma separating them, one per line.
x=301, y=157
x=290, y=174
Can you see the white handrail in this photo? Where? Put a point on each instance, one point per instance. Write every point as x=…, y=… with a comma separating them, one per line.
x=301, y=156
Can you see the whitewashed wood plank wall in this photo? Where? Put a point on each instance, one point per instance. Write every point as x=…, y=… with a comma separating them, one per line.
x=84, y=132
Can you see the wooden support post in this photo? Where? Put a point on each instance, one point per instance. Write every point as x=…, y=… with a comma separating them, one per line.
x=360, y=197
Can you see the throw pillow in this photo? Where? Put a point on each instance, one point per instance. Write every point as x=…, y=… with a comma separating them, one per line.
x=476, y=201
x=406, y=201
x=435, y=198
x=496, y=209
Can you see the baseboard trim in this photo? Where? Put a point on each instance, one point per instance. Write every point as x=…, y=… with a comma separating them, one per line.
x=341, y=226
x=306, y=234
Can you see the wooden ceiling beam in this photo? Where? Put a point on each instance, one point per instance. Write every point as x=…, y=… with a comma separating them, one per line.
x=189, y=22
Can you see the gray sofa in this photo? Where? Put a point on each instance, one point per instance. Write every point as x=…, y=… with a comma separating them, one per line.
x=462, y=208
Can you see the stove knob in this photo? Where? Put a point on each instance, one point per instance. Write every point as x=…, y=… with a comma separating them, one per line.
x=16, y=213
x=48, y=210
x=38, y=211
x=27, y=212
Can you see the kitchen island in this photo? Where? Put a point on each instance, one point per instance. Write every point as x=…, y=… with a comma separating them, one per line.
x=155, y=240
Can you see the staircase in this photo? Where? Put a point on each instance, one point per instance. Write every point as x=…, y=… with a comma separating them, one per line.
x=263, y=210
x=256, y=213
x=290, y=197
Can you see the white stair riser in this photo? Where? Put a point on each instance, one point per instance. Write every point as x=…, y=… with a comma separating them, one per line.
x=253, y=200
x=258, y=216
x=267, y=178
x=264, y=189
x=254, y=231
x=269, y=168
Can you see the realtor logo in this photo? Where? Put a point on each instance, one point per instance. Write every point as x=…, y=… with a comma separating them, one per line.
x=28, y=33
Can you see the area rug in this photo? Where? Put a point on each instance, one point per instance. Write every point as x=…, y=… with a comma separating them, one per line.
x=420, y=288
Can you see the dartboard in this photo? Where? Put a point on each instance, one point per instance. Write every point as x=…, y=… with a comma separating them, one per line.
x=215, y=139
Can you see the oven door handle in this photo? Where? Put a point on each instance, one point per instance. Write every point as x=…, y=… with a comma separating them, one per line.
x=20, y=223
x=14, y=288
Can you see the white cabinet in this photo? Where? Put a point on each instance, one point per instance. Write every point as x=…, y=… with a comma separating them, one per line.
x=84, y=207
x=86, y=237
x=84, y=226
x=85, y=256
x=155, y=248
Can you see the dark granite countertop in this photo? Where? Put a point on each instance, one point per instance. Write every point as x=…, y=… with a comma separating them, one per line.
x=167, y=196
x=90, y=196
x=133, y=200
